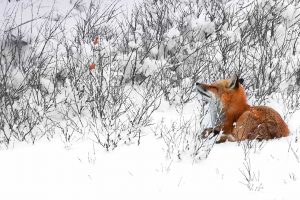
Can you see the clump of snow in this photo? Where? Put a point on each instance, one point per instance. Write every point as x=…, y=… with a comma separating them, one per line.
x=225, y=26
x=230, y=34
x=17, y=78
x=87, y=49
x=280, y=34
x=171, y=44
x=219, y=56
x=133, y=44
x=150, y=66
x=172, y=33
x=289, y=12
x=234, y=35
x=187, y=82
x=47, y=85
x=154, y=51
x=294, y=124
x=107, y=47
x=202, y=23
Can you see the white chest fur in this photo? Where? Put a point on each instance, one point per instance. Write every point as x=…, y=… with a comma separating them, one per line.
x=216, y=114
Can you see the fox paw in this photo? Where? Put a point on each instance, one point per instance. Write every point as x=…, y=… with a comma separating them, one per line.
x=223, y=138
x=208, y=132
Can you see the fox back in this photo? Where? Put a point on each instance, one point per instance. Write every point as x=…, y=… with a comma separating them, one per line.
x=232, y=115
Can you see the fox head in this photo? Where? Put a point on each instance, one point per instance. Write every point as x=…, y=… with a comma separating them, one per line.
x=224, y=96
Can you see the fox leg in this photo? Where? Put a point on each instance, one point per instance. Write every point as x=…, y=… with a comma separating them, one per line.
x=264, y=131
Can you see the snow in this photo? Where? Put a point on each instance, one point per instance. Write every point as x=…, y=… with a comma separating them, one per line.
x=150, y=66
x=171, y=44
x=233, y=35
x=83, y=170
x=294, y=124
x=202, y=23
x=18, y=78
x=289, y=12
x=158, y=168
x=133, y=45
x=173, y=33
x=47, y=85
x=154, y=51
x=280, y=34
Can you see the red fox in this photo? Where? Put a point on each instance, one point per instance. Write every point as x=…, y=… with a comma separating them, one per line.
x=234, y=118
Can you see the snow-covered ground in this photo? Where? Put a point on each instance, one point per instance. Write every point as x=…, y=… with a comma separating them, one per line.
x=54, y=170
x=268, y=170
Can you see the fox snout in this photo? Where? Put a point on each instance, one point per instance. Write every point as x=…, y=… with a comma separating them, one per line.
x=203, y=90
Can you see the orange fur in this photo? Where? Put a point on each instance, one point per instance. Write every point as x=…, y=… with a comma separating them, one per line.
x=241, y=121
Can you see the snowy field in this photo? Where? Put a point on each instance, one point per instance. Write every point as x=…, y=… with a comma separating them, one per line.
x=162, y=163
x=50, y=170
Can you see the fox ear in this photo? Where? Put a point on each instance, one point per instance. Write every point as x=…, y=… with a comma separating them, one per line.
x=234, y=82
